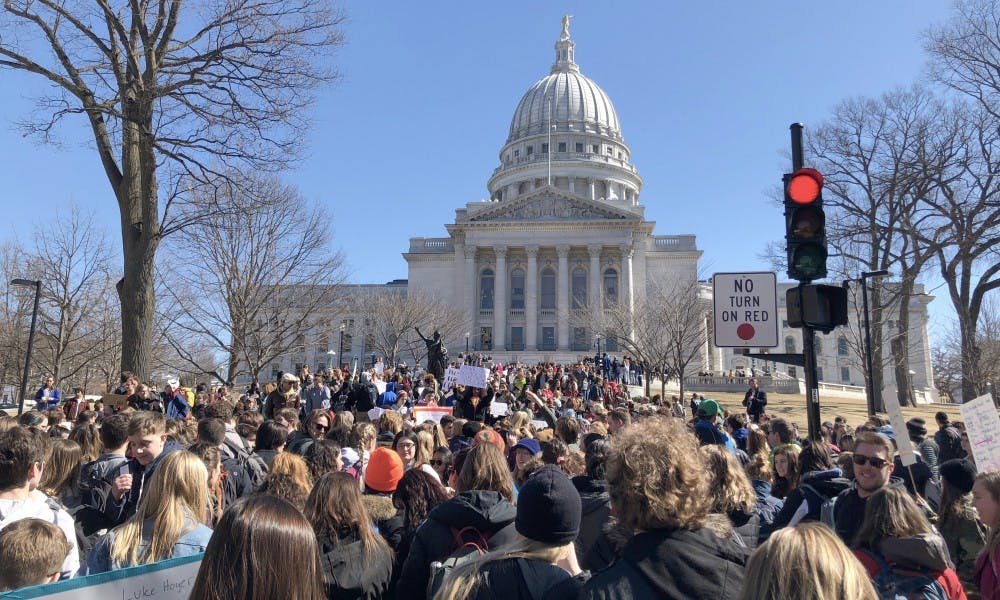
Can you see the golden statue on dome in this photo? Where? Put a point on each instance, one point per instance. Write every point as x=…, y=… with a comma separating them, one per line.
x=565, y=31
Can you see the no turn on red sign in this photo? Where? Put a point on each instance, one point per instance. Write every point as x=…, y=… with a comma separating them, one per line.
x=746, y=310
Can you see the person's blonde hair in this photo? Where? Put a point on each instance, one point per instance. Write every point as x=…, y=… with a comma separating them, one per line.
x=485, y=468
x=520, y=424
x=805, y=562
x=890, y=513
x=176, y=501
x=293, y=465
x=729, y=486
x=656, y=476
x=463, y=581
x=425, y=449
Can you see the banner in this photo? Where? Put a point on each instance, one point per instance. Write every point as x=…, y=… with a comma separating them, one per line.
x=983, y=426
x=430, y=413
x=471, y=376
x=170, y=579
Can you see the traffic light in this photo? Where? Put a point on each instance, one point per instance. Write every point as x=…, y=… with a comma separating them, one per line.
x=805, y=225
x=821, y=307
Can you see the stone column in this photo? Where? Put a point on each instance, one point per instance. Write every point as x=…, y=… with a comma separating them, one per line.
x=594, y=285
x=500, y=300
x=562, y=293
x=625, y=283
x=472, y=300
x=531, y=300
x=593, y=191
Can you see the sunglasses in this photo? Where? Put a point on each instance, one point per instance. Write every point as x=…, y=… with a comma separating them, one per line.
x=437, y=463
x=320, y=427
x=861, y=459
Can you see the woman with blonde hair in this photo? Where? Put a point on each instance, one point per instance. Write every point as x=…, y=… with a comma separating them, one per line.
x=805, y=562
x=288, y=479
x=986, y=500
x=167, y=523
x=732, y=494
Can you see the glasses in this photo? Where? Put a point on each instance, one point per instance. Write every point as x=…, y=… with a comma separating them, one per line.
x=405, y=446
x=320, y=427
x=437, y=463
x=861, y=459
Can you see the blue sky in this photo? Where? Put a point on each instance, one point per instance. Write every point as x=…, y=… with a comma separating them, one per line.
x=704, y=91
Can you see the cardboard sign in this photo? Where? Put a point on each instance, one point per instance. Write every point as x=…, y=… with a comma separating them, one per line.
x=450, y=378
x=906, y=454
x=115, y=401
x=498, y=409
x=170, y=579
x=430, y=413
x=983, y=426
x=471, y=376
x=540, y=425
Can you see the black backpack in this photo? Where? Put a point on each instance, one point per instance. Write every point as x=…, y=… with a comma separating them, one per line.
x=469, y=544
x=253, y=465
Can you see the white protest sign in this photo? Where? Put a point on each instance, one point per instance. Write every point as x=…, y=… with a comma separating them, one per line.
x=498, y=409
x=170, y=579
x=380, y=367
x=983, y=426
x=375, y=414
x=450, y=378
x=472, y=376
x=906, y=454
x=746, y=310
x=380, y=386
x=540, y=425
x=430, y=413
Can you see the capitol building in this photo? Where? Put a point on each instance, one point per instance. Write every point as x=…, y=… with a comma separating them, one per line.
x=563, y=236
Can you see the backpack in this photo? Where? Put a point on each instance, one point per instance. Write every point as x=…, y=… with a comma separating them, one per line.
x=252, y=464
x=905, y=584
x=826, y=514
x=470, y=544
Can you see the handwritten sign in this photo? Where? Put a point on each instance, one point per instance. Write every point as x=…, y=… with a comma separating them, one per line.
x=170, y=579
x=472, y=376
x=450, y=378
x=906, y=454
x=540, y=425
x=983, y=426
x=379, y=385
x=430, y=413
x=498, y=409
x=375, y=414
x=116, y=401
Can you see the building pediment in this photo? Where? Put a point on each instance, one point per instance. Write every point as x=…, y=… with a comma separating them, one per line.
x=549, y=204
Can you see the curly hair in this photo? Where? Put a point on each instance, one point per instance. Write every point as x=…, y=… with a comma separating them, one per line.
x=285, y=486
x=730, y=487
x=323, y=457
x=416, y=495
x=656, y=477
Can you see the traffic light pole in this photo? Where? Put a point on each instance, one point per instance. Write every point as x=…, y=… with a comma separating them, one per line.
x=808, y=333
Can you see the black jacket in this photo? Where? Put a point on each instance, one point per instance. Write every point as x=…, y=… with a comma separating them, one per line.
x=596, y=513
x=489, y=512
x=673, y=564
x=849, y=512
x=804, y=503
x=118, y=512
x=524, y=579
x=349, y=574
x=386, y=517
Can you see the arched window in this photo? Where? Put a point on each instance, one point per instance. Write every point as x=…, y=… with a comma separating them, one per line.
x=842, y=346
x=610, y=287
x=548, y=289
x=790, y=345
x=579, y=285
x=486, y=290
x=517, y=288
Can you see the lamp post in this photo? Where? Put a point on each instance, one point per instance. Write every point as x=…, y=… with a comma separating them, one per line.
x=340, y=353
x=466, y=343
x=31, y=336
x=870, y=381
x=597, y=341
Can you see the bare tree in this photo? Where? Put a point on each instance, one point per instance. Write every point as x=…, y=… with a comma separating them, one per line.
x=171, y=92
x=246, y=289
x=15, y=316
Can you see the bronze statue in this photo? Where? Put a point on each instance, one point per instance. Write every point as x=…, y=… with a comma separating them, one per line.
x=437, y=354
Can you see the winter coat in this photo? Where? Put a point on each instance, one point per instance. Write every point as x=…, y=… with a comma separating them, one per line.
x=965, y=537
x=768, y=506
x=487, y=511
x=674, y=564
x=96, y=472
x=849, y=512
x=192, y=542
x=596, y=513
x=348, y=573
x=987, y=575
x=803, y=503
x=524, y=579
x=176, y=407
x=267, y=456
x=386, y=517
x=926, y=551
x=118, y=512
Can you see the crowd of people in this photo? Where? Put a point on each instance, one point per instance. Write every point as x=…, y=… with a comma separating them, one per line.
x=550, y=482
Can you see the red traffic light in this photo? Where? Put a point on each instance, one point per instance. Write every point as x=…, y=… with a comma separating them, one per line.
x=804, y=186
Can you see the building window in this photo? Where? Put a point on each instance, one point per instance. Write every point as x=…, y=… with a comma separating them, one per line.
x=517, y=288
x=548, y=289
x=845, y=374
x=517, y=338
x=486, y=338
x=610, y=151
x=531, y=150
x=486, y=290
x=548, y=338
x=817, y=346
x=791, y=372
x=579, y=285
x=842, y=346
x=579, y=147
x=790, y=345
x=348, y=343
x=562, y=146
x=545, y=148
x=580, y=338
x=610, y=287
x=517, y=152
x=595, y=149
x=819, y=373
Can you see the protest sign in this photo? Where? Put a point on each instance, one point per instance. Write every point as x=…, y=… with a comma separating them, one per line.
x=983, y=426
x=170, y=579
x=116, y=402
x=379, y=385
x=472, y=376
x=906, y=454
x=498, y=409
x=450, y=378
x=430, y=413
x=375, y=414
x=540, y=425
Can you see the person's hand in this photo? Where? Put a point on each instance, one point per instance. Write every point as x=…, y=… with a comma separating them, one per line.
x=121, y=485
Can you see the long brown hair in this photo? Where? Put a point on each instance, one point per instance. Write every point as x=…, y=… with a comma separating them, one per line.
x=61, y=476
x=263, y=548
x=991, y=481
x=416, y=494
x=334, y=509
x=729, y=486
x=485, y=468
x=890, y=513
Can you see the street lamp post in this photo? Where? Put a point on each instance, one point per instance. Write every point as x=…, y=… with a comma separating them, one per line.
x=341, y=352
x=869, y=361
x=31, y=336
x=466, y=343
x=597, y=340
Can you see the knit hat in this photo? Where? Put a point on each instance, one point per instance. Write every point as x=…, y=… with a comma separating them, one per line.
x=916, y=426
x=709, y=408
x=490, y=436
x=548, y=507
x=529, y=444
x=384, y=470
x=960, y=473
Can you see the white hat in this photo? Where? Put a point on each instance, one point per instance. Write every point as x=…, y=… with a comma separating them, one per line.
x=289, y=377
x=173, y=383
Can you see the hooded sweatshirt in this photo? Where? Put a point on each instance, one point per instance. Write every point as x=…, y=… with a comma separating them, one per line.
x=925, y=552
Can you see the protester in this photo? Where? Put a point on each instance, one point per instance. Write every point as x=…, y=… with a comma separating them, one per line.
x=263, y=548
x=416, y=495
x=48, y=396
x=384, y=471
x=314, y=427
x=819, y=482
x=706, y=426
x=167, y=523
x=872, y=472
x=175, y=403
x=755, y=400
x=658, y=488
x=895, y=536
x=270, y=441
x=958, y=522
x=61, y=478
x=356, y=560
x=948, y=439
x=286, y=395
x=288, y=479
x=805, y=562
x=732, y=494
x=986, y=500
x=785, y=460
x=32, y=552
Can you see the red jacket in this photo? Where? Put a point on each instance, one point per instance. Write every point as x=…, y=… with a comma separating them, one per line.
x=947, y=578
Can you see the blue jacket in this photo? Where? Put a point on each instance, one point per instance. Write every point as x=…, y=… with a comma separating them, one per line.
x=192, y=542
x=54, y=397
x=177, y=407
